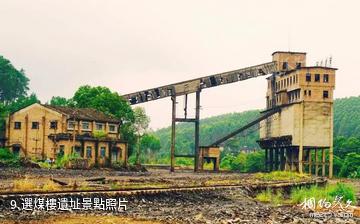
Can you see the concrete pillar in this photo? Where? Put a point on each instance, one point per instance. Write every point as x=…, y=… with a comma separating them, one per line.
x=276, y=159
x=266, y=159
x=301, y=137
x=282, y=159
x=287, y=159
x=316, y=162
x=294, y=154
x=323, y=160
x=271, y=159
x=310, y=161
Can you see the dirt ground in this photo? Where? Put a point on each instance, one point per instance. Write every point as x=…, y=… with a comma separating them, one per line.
x=216, y=206
x=73, y=219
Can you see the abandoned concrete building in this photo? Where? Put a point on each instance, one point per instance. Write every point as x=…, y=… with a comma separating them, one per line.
x=300, y=136
x=43, y=132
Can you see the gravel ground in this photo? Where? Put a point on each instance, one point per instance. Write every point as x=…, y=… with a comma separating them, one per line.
x=218, y=206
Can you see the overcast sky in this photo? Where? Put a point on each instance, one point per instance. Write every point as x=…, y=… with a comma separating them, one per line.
x=134, y=45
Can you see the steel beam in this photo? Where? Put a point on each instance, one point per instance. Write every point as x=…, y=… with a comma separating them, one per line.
x=173, y=123
x=197, y=137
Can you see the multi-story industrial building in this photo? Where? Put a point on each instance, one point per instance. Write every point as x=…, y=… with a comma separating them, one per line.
x=300, y=136
x=44, y=131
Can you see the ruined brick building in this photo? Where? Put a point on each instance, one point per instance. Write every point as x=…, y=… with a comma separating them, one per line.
x=43, y=131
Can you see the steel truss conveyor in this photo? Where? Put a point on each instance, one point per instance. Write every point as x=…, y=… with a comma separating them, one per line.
x=195, y=86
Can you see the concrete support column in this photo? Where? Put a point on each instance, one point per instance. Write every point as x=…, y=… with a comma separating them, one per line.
x=316, y=162
x=310, y=161
x=323, y=160
x=294, y=154
x=287, y=160
x=282, y=159
x=271, y=159
x=276, y=159
x=301, y=137
x=266, y=159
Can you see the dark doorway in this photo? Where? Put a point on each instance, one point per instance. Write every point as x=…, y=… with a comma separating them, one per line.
x=16, y=150
x=114, y=155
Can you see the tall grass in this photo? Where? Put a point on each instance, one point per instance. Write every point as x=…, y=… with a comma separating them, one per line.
x=268, y=196
x=298, y=195
x=329, y=192
x=281, y=176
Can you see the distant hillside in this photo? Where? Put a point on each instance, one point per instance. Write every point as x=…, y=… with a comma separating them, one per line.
x=346, y=123
x=347, y=117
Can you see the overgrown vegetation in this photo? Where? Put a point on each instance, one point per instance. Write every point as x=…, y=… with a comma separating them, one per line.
x=298, y=195
x=25, y=185
x=281, y=176
x=62, y=160
x=268, y=196
x=8, y=159
x=244, y=162
x=329, y=192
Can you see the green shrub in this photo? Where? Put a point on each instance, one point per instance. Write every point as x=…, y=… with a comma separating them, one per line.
x=61, y=161
x=6, y=154
x=8, y=159
x=343, y=190
x=351, y=166
x=255, y=162
x=244, y=162
x=99, y=134
x=329, y=192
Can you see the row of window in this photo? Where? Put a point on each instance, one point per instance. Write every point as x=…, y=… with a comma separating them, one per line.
x=35, y=125
x=317, y=77
x=86, y=126
x=71, y=125
x=286, y=82
x=307, y=92
x=294, y=96
x=79, y=152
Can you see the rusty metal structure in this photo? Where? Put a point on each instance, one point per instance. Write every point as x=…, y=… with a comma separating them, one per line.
x=298, y=102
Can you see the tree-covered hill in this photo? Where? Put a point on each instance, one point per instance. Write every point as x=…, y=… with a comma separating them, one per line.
x=347, y=117
x=346, y=123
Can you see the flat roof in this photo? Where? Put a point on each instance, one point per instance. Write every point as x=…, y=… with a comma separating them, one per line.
x=309, y=67
x=288, y=52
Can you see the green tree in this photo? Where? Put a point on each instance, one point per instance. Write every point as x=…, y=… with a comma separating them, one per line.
x=13, y=82
x=111, y=103
x=351, y=165
x=61, y=101
x=102, y=99
x=22, y=102
x=150, y=144
x=141, y=124
x=255, y=162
